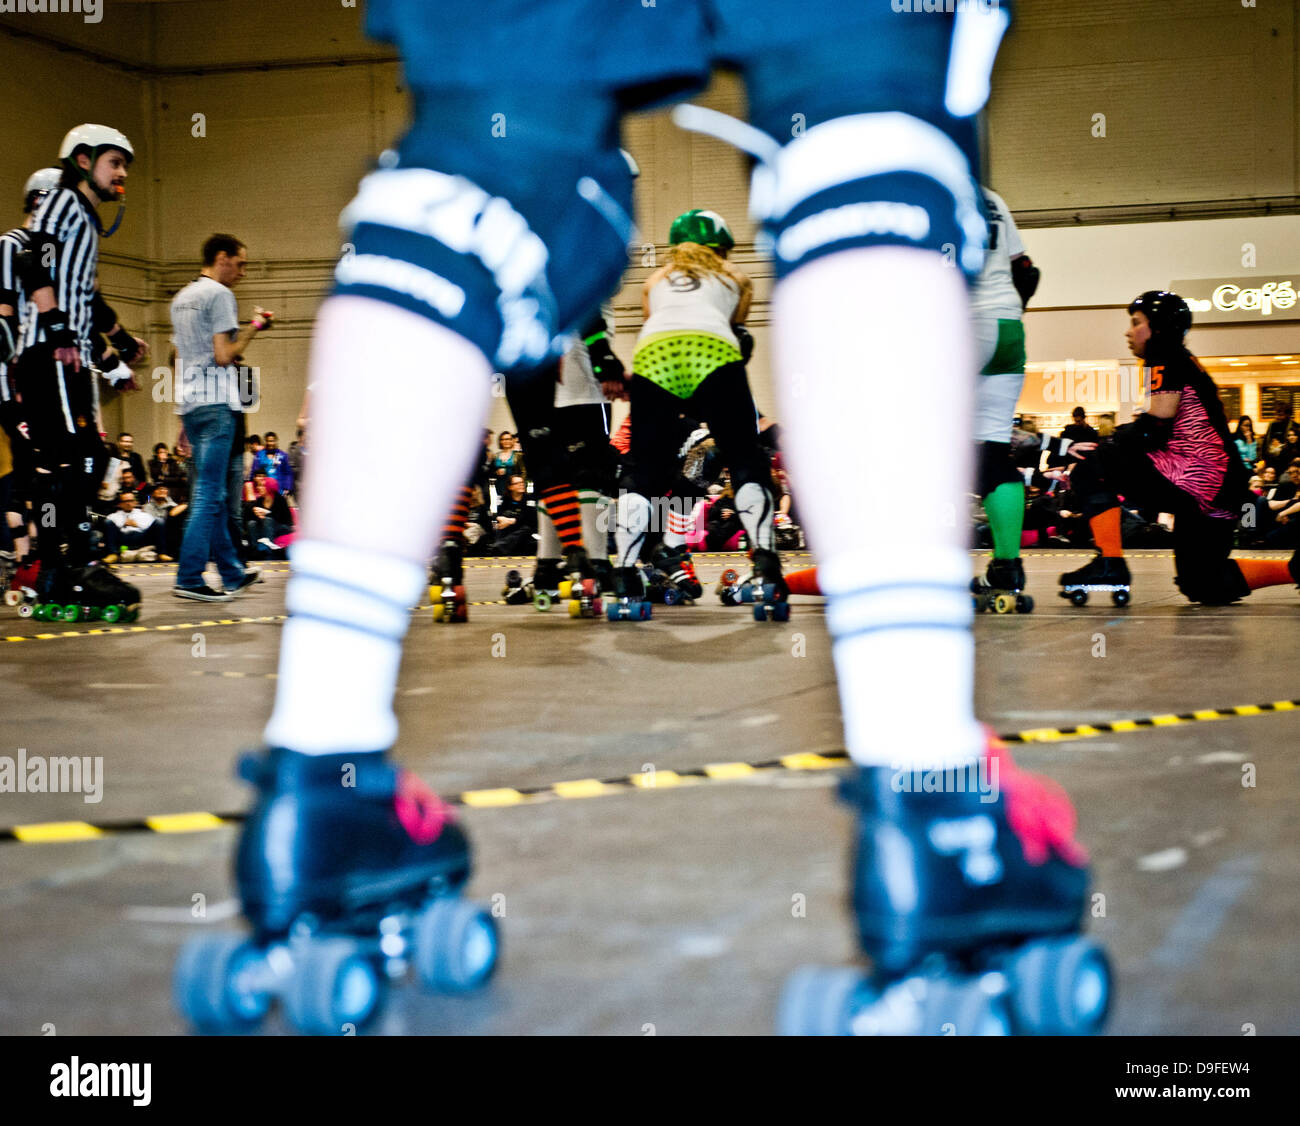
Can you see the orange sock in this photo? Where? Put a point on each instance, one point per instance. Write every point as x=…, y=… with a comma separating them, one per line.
x=1265, y=572
x=561, y=503
x=458, y=517
x=803, y=582
x=1106, y=534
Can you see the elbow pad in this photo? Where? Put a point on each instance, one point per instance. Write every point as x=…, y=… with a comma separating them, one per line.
x=41, y=260
x=1024, y=276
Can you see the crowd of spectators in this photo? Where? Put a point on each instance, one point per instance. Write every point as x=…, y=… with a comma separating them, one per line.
x=141, y=511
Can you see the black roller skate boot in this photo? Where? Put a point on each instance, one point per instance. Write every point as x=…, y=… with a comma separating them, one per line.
x=579, y=588
x=629, y=602
x=659, y=588
x=969, y=893
x=767, y=589
x=544, y=589
x=1104, y=573
x=1000, y=590
x=349, y=869
x=676, y=563
x=447, y=584
x=516, y=592
x=93, y=593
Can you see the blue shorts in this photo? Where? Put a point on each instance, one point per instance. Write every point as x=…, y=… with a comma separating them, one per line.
x=505, y=211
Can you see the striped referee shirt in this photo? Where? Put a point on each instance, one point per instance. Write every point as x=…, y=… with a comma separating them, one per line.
x=12, y=244
x=67, y=217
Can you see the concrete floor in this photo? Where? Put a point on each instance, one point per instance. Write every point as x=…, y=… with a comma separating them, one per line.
x=668, y=907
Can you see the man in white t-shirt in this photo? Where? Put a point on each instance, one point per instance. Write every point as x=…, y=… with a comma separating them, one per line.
x=209, y=345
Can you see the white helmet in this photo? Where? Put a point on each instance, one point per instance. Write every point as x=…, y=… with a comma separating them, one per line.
x=94, y=138
x=40, y=183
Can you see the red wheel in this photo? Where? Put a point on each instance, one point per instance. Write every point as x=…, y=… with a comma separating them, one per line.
x=730, y=577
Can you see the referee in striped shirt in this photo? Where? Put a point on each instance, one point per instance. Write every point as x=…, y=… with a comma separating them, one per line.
x=59, y=324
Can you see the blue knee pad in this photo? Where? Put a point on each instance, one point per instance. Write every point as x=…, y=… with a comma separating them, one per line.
x=504, y=217
x=870, y=140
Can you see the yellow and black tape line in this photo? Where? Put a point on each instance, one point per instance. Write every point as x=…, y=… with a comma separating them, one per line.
x=57, y=831
x=165, y=628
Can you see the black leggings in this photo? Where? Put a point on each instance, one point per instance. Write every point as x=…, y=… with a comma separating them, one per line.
x=1203, y=544
x=566, y=445
x=723, y=402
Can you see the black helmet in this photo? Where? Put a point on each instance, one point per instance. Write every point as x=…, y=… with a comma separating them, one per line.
x=1166, y=312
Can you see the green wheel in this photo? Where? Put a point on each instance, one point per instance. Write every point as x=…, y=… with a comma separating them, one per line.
x=72, y=613
x=110, y=614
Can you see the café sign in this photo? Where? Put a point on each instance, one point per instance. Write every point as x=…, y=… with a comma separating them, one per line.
x=1237, y=300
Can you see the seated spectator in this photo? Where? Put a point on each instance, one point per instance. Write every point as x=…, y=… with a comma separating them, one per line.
x=131, y=533
x=165, y=468
x=722, y=525
x=170, y=515
x=267, y=516
x=1246, y=441
x=516, y=522
x=274, y=462
x=126, y=452
x=478, y=524
x=1285, y=504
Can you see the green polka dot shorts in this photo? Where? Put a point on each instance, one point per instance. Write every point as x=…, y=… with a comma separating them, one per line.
x=680, y=361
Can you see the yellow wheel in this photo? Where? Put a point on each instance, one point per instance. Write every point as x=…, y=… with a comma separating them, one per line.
x=435, y=592
x=566, y=588
x=439, y=612
x=1004, y=604
x=575, y=608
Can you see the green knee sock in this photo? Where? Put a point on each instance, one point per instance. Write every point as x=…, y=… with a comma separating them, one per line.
x=1005, y=508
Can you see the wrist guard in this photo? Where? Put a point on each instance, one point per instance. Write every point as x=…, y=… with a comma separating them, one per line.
x=746, y=342
x=9, y=329
x=54, y=324
x=125, y=344
x=606, y=366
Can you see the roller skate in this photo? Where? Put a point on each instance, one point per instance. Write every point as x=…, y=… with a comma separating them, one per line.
x=677, y=564
x=349, y=870
x=516, y=592
x=447, y=588
x=767, y=589
x=968, y=903
x=579, y=589
x=659, y=588
x=629, y=603
x=20, y=586
x=1104, y=573
x=92, y=593
x=1000, y=590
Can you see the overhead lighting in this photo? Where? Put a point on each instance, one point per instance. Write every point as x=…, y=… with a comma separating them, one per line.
x=1238, y=364
x=1289, y=363
x=1228, y=359
x=1283, y=357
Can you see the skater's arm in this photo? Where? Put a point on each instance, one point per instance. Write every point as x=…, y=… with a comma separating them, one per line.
x=1164, y=405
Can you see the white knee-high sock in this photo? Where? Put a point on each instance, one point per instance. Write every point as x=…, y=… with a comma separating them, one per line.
x=848, y=327
x=595, y=535
x=351, y=586
x=756, y=511
x=630, y=531
x=548, y=542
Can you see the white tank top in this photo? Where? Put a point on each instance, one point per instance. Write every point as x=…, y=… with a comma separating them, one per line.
x=994, y=293
x=681, y=303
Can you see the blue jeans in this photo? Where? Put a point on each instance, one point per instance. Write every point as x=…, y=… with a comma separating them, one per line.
x=210, y=430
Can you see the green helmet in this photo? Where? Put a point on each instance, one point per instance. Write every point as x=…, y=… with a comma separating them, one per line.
x=708, y=228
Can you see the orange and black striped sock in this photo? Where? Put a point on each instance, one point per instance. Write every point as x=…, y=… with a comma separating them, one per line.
x=1265, y=572
x=803, y=582
x=458, y=517
x=561, y=504
x=1106, y=533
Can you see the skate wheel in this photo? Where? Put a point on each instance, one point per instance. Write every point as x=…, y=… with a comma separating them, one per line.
x=513, y=578
x=1024, y=604
x=966, y=1007
x=71, y=613
x=819, y=1001
x=1121, y=597
x=13, y=597
x=110, y=614
x=460, y=613
x=456, y=945
x=1079, y=597
x=747, y=593
x=980, y=603
x=25, y=610
x=575, y=608
x=333, y=985
x=208, y=987
x=760, y=613
x=435, y=593
x=566, y=589
x=1061, y=987
x=671, y=596
x=611, y=611
x=542, y=601
x=730, y=577
x=597, y=607
x=1003, y=604
x=439, y=612
x=781, y=612
x=644, y=611
x=132, y=614
x=589, y=588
